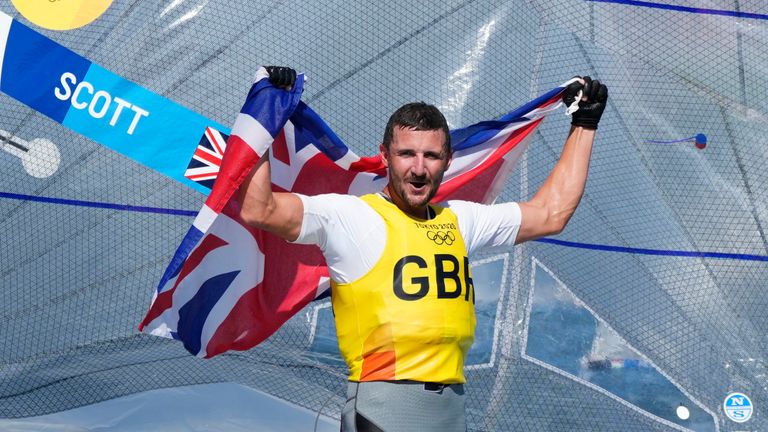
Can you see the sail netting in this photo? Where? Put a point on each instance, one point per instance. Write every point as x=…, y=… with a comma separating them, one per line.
x=654, y=297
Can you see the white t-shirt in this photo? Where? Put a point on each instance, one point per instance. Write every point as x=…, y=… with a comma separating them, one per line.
x=352, y=235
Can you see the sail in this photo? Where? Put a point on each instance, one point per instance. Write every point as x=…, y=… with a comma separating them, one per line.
x=665, y=261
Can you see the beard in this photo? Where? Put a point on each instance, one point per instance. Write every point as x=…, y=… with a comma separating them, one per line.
x=413, y=200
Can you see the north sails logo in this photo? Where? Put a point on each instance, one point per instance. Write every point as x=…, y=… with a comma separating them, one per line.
x=738, y=407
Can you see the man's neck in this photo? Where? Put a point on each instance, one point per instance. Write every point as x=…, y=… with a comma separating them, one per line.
x=424, y=212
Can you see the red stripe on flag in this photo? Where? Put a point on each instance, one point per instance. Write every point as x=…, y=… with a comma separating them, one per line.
x=321, y=175
x=233, y=171
x=205, y=176
x=213, y=138
x=371, y=164
x=450, y=189
x=204, y=155
x=291, y=275
x=555, y=99
x=280, y=148
x=471, y=188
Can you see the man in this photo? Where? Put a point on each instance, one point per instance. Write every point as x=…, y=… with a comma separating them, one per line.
x=401, y=287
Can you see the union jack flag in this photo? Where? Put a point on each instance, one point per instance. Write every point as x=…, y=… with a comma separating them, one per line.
x=206, y=160
x=230, y=286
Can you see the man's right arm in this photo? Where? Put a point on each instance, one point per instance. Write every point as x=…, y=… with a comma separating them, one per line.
x=278, y=213
x=553, y=205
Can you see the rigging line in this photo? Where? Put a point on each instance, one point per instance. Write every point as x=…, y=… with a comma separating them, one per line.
x=386, y=51
x=507, y=333
x=740, y=52
x=317, y=417
x=743, y=172
x=678, y=8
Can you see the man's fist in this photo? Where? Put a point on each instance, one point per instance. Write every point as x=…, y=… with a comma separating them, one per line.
x=281, y=76
x=592, y=104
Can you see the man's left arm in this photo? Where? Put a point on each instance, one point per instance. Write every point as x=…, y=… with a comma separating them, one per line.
x=550, y=209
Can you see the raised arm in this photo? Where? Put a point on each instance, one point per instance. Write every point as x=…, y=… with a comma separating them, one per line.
x=277, y=212
x=554, y=203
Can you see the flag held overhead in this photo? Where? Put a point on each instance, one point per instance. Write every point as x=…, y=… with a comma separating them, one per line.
x=230, y=286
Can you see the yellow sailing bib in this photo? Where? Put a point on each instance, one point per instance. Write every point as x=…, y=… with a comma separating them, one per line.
x=412, y=316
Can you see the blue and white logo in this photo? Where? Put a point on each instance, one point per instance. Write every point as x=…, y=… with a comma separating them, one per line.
x=738, y=407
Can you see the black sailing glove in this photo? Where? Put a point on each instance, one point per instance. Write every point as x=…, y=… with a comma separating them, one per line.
x=281, y=76
x=591, y=109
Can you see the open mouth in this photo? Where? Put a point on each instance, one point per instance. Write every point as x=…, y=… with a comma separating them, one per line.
x=417, y=185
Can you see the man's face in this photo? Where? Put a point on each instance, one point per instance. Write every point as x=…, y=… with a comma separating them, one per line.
x=416, y=161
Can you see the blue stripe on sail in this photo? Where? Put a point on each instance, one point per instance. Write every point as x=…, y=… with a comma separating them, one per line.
x=679, y=8
x=607, y=248
x=658, y=252
x=99, y=204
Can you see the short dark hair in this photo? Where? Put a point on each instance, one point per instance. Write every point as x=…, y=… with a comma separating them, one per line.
x=418, y=116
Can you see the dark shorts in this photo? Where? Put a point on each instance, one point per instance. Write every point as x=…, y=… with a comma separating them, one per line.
x=393, y=406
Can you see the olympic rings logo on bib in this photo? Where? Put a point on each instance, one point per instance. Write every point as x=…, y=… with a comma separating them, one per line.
x=442, y=237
